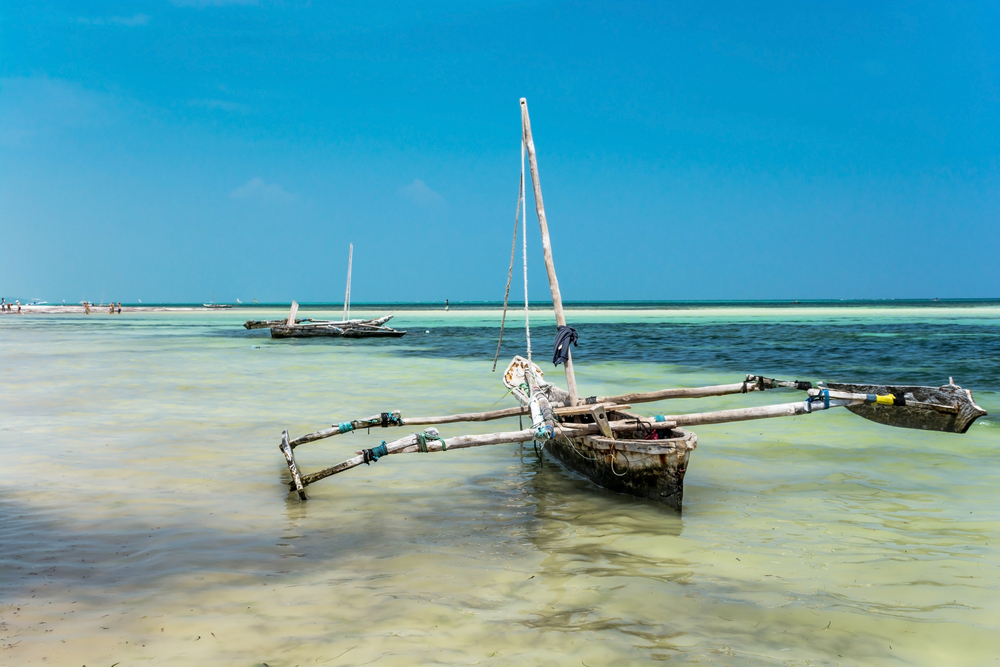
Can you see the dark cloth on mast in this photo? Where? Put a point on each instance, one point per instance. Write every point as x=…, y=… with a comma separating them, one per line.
x=564, y=336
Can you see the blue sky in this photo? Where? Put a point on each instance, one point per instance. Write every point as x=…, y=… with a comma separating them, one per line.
x=162, y=151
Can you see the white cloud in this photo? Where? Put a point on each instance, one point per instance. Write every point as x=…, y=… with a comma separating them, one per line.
x=421, y=195
x=39, y=107
x=128, y=21
x=256, y=188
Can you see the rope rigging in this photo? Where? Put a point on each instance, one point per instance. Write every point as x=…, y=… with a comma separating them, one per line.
x=522, y=213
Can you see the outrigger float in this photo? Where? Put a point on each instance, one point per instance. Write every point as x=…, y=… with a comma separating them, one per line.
x=601, y=438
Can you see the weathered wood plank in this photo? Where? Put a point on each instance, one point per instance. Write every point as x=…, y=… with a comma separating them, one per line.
x=601, y=419
x=296, y=483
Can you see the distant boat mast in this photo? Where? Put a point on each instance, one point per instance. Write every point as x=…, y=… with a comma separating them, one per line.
x=347, y=294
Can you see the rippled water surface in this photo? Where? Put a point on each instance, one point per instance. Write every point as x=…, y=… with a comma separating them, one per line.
x=144, y=519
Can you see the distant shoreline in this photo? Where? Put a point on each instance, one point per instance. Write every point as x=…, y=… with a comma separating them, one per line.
x=59, y=309
x=539, y=306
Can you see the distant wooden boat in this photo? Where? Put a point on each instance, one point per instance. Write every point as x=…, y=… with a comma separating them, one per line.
x=321, y=330
x=346, y=328
x=267, y=324
x=216, y=306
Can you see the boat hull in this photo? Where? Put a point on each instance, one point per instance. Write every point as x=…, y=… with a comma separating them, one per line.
x=652, y=469
x=334, y=332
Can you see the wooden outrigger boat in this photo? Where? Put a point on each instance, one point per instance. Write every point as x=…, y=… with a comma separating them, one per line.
x=356, y=329
x=346, y=328
x=605, y=441
x=293, y=328
x=305, y=323
x=600, y=437
x=217, y=306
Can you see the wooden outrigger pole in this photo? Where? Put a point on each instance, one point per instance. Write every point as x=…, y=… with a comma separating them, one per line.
x=954, y=412
x=543, y=225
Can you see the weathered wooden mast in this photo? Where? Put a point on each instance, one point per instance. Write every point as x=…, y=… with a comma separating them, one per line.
x=547, y=244
x=347, y=294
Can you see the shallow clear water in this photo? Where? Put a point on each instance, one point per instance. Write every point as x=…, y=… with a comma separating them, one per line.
x=144, y=519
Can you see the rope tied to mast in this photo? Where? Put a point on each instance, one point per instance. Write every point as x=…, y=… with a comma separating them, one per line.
x=510, y=270
x=520, y=212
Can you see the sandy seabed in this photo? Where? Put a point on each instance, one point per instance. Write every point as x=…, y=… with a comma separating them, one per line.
x=145, y=519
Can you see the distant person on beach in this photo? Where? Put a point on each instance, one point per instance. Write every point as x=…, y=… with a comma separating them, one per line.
x=119, y=307
x=446, y=304
x=111, y=308
x=86, y=307
x=18, y=306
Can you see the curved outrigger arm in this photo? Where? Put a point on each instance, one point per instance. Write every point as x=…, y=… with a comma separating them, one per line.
x=903, y=409
x=945, y=400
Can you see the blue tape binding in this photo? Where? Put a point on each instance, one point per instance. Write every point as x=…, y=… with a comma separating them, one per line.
x=344, y=427
x=660, y=418
x=826, y=399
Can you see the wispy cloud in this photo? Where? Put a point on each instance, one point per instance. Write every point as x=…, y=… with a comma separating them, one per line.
x=257, y=189
x=40, y=107
x=128, y=21
x=421, y=195
x=222, y=105
x=213, y=3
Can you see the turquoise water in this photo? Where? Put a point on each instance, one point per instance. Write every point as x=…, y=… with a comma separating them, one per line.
x=145, y=520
